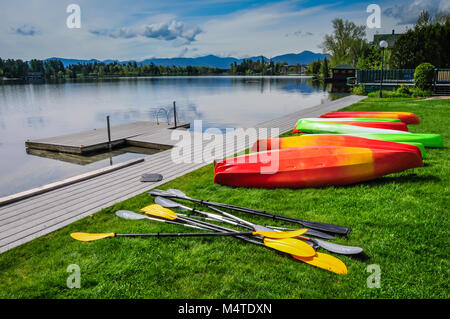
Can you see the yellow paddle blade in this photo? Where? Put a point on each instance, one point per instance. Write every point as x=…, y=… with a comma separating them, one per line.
x=291, y=246
x=159, y=211
x=90, y=237
x=326, y=262
x=283, y=234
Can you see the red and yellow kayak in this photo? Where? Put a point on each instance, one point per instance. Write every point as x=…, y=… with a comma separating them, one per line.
x=397, y=126
x=332, y=140
x=405, y=117
x=312, y=166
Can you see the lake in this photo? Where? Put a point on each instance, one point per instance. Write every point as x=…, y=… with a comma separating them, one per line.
x=31, y=111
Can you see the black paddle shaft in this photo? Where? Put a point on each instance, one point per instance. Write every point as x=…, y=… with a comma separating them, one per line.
x=336, y=229
x=186, y=234
x=341, y=230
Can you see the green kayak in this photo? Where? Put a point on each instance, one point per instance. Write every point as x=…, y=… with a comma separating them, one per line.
x=428, y=140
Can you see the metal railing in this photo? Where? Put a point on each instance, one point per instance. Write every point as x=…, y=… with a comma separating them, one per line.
x=395, y=76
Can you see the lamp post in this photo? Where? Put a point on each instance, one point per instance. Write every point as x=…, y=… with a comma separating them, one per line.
x=383, y=44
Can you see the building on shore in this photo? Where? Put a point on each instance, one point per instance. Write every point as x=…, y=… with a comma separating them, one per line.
x=390, y=38
x=341, y=72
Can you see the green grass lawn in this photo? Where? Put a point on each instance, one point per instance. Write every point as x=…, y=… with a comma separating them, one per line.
x=400, y=220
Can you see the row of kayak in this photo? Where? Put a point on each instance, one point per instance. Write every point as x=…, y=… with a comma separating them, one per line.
x=337, y=148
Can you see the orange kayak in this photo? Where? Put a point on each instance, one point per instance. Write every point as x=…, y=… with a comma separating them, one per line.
x=312, y=166
x=330, y=140
x=405, y=117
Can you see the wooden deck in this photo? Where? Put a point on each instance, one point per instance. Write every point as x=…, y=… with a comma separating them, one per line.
x=97, y=139
x=29, y=218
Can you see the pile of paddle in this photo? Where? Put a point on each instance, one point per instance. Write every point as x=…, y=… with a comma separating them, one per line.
x=336, y=149
x=302, y=244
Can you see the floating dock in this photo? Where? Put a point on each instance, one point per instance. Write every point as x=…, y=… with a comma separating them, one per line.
x=154, y=136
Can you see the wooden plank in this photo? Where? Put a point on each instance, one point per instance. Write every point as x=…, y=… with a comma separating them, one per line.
x=67, y=181
x=51, y=216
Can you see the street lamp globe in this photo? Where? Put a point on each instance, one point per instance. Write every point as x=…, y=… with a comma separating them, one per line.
x=383, y=44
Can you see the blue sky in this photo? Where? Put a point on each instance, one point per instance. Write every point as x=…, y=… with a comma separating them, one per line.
x=139, y=29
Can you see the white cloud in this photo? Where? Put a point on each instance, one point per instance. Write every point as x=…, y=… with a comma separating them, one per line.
x=168, y=31
x=300, y=34
x=26, y=30
x=408, y=13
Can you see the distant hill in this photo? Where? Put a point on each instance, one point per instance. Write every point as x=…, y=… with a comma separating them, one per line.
x=213, y=61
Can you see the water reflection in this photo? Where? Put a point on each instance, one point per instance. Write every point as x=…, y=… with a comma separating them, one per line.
x=30, y=111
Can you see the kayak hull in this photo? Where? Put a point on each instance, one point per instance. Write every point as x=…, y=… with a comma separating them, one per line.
x=332, y=140
x=312, y=166
x=397, y=126
x=428, y=140
x=405, y=117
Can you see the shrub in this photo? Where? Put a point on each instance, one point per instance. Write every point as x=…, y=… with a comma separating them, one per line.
x=358, y=90
x=404, y=89
x=388, y=94
x=423, y=76
x=421, y=93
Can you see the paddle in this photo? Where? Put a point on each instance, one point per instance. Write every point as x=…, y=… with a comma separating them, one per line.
x=285, y=243
x=168, y=203
x=175, y=193
x=162, y=212
x=325, y=261
x=310, y=232
x=126, y=214
x=319, y=260
x=91, y=236
x=134, y=216
x=332, y=247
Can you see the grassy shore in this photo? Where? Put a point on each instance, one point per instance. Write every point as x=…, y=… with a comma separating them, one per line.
x=400, y=220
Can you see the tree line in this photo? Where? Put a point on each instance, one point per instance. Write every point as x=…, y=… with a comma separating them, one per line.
x=427, y=41
x=263, y=67
x=55, y=69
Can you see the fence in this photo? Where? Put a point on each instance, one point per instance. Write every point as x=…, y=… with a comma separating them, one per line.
x=441, y=76
x=396, y=76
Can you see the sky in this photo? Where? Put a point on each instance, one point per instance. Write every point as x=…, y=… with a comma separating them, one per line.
x=140, y=29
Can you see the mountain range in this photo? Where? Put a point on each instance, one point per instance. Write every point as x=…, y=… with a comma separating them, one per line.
x=213, y=61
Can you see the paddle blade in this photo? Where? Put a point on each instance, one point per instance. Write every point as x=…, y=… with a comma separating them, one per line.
x=90, y=237
x=291, y=246
x=165, y=202
x=158, y=192
x=126, y=214
x=279, y=235
x=326, y=262
x=159, y=211
x=177, y=192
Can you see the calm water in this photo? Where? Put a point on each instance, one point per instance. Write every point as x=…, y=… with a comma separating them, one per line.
x=43, y=110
